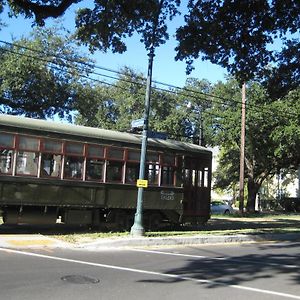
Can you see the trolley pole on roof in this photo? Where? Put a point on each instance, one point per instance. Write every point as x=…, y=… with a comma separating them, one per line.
x=137, y=229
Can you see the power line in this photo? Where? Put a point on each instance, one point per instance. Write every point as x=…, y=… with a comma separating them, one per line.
x=114, y=85
x=250, y=106
x=53, y=66
x=94, y=66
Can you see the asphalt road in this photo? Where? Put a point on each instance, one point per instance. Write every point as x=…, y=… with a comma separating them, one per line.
x=262, y=271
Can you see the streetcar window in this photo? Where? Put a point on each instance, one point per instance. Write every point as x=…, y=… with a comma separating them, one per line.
x=73, y=167
x=115, y=153
x=28, y=143
x=95, y=151
x=6, y=158
x=50, y=165
x=114, y=171
x=6, y=140
x=152, y=157
x=187, y=176
x=205, y=177
x=193, y=178
x=152, y=173
x=74, y=148
x=200, y=178
x=133, y=155
x=132, y=172
x=169, y=160
x=179, y=179
x=94, y=169
x=52, y=146
x=179, y=171
x=27, y=163
x=167, y=177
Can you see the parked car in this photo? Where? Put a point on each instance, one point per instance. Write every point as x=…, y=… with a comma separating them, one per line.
x=220, y=207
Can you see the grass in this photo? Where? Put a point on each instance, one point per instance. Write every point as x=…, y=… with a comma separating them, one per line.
x=217, y=225
x=258, y=223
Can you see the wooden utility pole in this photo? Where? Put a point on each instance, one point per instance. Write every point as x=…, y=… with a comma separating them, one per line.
x=242, y=151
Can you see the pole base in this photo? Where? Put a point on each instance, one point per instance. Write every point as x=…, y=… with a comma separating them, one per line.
x=137, y=230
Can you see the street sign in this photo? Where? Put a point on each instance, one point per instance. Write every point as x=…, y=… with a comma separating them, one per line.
x=137, y=123
x=142, y=183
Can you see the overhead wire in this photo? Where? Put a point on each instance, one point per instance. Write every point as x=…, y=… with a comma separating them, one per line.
x=94, y=66
x=117, y=86
x=114, y=85
x=249, y=106
x=176, y=92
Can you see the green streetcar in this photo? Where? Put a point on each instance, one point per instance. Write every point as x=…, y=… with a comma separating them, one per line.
x=54, y=172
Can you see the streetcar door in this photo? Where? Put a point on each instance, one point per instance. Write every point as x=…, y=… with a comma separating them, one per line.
x=197, y=177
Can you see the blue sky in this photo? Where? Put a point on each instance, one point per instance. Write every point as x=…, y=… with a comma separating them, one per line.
x=165, y=68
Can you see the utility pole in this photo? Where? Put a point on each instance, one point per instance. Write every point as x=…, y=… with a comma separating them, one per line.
x=137, y=229
x=242, y=151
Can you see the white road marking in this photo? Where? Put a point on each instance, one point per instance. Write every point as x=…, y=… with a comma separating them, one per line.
x=174, y=276
x=213, y=258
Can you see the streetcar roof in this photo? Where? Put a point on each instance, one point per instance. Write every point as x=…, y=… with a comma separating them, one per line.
x=96, y=133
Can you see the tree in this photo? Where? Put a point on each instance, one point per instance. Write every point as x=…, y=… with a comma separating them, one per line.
x=238, y=34
x=114, y=106
x=234, y=34
x=40, y=75
x=272, y=138
x=40, y=9
x=196, y=100
x=108, y=23
x=287, y=135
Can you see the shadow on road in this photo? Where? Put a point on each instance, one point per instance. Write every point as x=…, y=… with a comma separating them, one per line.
x=238, y=270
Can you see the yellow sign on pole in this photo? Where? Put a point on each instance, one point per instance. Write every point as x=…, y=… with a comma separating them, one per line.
x=142, y=183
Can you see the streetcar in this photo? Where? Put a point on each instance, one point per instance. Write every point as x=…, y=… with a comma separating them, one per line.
x=56, y=172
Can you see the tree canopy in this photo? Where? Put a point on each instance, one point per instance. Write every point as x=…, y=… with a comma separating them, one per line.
x=106, y=24
x=272, y=135
x=40, y=75
x=239, y=36
x=115, y=105
x=251, y=38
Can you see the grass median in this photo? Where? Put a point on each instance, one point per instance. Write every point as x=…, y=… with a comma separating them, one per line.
x=254, y=224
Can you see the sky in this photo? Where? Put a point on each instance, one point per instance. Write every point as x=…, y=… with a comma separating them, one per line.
x=165, y=68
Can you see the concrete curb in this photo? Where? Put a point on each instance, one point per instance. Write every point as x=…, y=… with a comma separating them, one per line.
x=188, y=240
x=41, y=241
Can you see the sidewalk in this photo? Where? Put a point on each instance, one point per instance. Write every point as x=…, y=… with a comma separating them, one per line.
x=21, y=241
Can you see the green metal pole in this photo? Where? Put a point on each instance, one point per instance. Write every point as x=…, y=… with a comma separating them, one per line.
x=137, y=229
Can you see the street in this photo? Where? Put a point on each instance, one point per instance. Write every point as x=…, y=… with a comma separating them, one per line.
x=235, y=271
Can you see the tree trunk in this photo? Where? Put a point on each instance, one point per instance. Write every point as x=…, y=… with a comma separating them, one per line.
x=253, y=189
